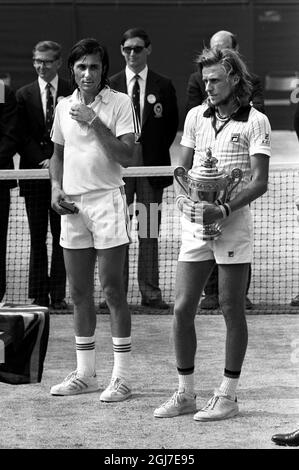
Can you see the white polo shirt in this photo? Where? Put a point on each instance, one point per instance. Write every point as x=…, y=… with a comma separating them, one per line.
x=86, y=166
x=247, y=133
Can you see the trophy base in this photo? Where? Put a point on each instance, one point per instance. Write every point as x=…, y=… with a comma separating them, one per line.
x=207, y=232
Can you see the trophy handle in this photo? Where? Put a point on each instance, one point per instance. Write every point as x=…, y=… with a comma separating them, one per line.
x=180, y=172
x=235, y=178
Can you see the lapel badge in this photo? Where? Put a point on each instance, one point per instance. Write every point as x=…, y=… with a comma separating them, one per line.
x=151, y=99
x=158, y=109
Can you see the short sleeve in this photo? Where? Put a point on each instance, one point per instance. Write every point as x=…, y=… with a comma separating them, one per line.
x=260, y=135
x=189, y=133
x=124, y=123
x=56, y=134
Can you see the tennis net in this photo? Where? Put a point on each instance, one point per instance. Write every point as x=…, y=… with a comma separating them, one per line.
x=275, y=267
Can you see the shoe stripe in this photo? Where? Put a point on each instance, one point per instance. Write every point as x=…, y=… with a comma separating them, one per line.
x=122, y=388
x=79, y=383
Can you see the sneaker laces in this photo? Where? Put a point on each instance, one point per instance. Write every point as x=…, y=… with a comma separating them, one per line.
x=174, y=400
x=115, y=383
x=211, y=403
x=70, y=376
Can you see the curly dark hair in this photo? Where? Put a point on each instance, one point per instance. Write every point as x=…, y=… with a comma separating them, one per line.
x=85, y=47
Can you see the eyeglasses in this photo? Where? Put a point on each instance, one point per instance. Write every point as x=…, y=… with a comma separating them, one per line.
x=136, y=49
x=46, y=63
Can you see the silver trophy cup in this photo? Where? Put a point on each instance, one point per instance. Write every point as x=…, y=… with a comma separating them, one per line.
x=208, y=183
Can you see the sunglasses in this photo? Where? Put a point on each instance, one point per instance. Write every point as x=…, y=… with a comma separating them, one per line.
x=136, y=49
x=46, y=63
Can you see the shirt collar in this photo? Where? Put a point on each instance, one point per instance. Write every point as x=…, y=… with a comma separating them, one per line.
x=103, y=96
x=42, y=83
x=130, y=74
x=241, y=114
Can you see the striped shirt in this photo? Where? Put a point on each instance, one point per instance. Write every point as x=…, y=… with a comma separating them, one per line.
x=232, y=141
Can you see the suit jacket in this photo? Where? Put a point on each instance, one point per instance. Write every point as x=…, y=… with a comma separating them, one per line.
x=35, y=145
x=196, y=92
x=8, y=133
x=159, y=121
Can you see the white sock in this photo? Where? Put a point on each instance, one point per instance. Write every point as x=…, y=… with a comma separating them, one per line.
x=186, y=383
x=229, y=386
x=86, y=355
x=122, y=357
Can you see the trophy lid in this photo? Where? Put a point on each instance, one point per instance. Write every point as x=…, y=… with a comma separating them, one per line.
x=207, y=168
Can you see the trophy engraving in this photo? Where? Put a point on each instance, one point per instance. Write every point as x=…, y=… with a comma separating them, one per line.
x=208, y=183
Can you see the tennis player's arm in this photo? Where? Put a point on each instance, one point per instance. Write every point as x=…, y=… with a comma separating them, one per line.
x=56, y=172
x=186, y=161
x=119, y=148
x=258, y=184
x=184, y=204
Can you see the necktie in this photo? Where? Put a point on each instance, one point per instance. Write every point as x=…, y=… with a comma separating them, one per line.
x=136, y=97
x=49, y=108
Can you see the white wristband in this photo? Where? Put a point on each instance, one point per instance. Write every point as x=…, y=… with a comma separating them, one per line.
x=225, y=209
x=221, y=207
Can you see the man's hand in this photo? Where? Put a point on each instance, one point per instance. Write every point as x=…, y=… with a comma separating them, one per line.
x=45, y=163
x=193, y=211
x=211, y=213
x=57, y=196
x=82, y=113
x=201, y=212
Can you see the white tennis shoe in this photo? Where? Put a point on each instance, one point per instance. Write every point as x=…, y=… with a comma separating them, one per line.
x=180, y=403
x=220, y=406
x=117, y=390
x=74, y=384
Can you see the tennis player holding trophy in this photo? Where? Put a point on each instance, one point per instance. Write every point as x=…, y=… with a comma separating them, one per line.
x=223, y=168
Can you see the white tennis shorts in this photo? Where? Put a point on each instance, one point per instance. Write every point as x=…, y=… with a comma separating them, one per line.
x=102, y=222
x=234, y=246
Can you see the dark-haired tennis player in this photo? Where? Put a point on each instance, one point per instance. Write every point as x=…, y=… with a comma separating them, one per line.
x=93, y=134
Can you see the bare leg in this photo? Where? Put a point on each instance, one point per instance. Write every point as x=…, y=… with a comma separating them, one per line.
x=80, y=266
x=190, y=281
x=111, y=267
x=232, y=291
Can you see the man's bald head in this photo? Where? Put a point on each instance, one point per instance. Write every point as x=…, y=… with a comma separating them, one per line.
x=224, y=40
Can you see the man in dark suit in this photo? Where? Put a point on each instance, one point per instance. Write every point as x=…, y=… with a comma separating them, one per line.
x=36, y=102
x=155, y=103
x=8, y=148
x=196, y=94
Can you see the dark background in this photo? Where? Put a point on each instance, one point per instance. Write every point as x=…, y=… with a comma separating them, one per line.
x=267, y=31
